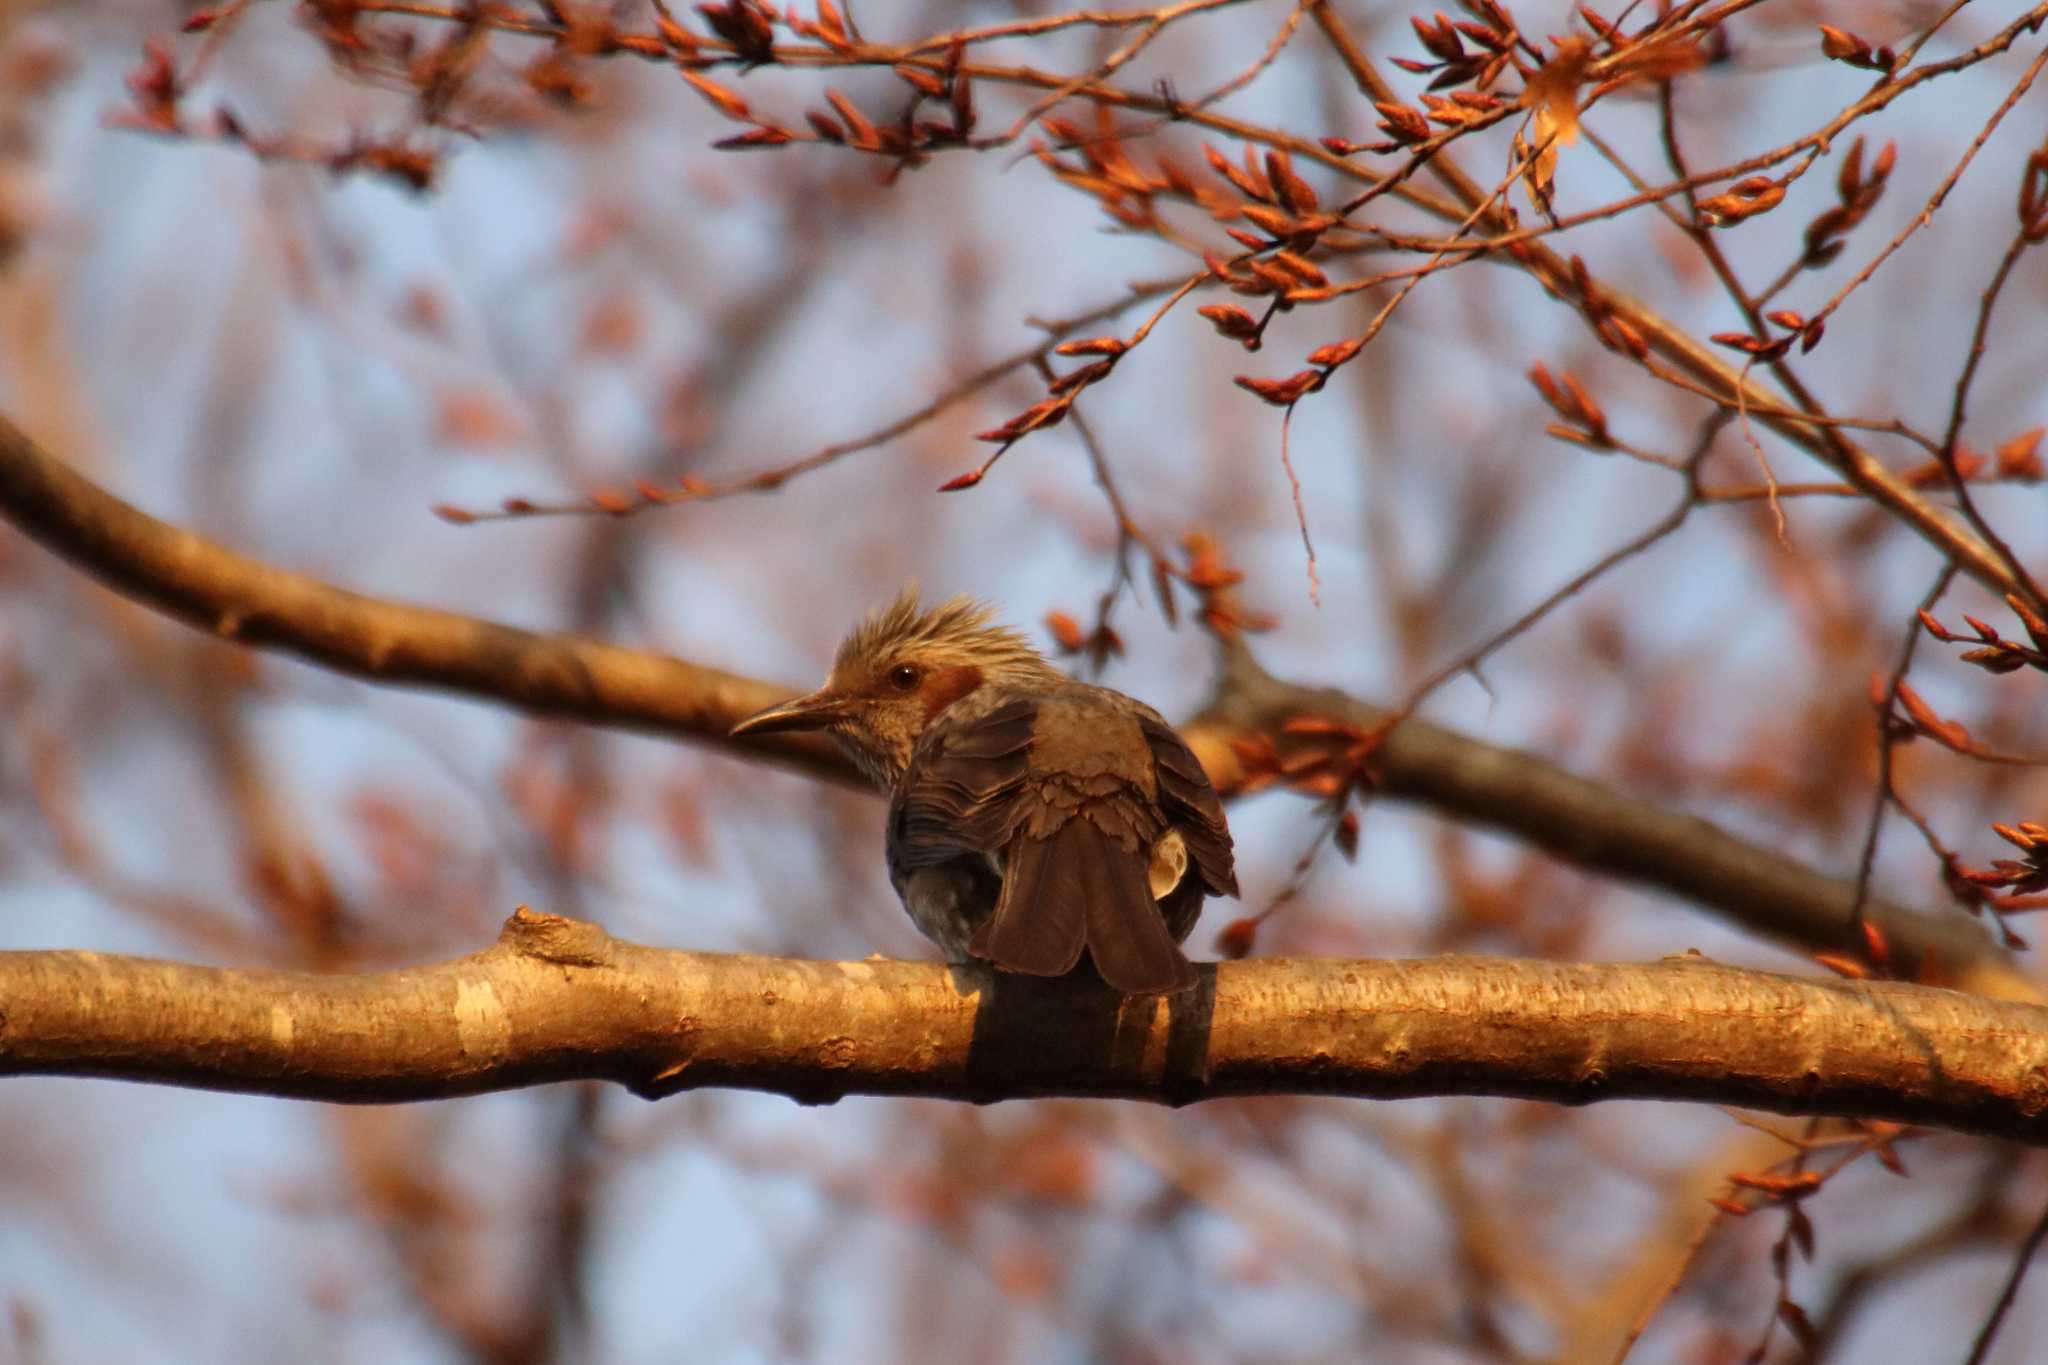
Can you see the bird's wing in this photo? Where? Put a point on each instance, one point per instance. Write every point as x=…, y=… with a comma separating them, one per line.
x=1190, y=803
x=1076, y=849
x=1077, y=874
x=1082, y=887
x=958, y=795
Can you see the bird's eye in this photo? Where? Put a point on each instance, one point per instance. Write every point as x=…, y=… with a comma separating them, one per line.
x=904, y=677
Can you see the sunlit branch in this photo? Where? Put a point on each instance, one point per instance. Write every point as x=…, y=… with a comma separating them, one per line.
x=558, y=999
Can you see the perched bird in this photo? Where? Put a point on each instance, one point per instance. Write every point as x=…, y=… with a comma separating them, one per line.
x=1030, y=815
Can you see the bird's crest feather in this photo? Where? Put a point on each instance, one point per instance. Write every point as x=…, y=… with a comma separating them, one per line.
x=958, y=625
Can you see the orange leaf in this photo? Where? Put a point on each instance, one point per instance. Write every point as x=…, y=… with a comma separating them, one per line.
x=1066, y=630
x=2020, y=457
x=728, y=102
x=1237, y=938
x=1930, y=723
x=1553, y=92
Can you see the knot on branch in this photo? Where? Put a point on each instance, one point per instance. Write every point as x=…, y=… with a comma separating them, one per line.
x=556, y=938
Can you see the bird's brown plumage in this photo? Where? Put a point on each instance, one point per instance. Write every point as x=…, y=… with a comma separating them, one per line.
x=1032, y=816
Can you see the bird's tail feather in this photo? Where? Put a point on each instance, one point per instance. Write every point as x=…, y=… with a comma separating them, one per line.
x=1079, y=889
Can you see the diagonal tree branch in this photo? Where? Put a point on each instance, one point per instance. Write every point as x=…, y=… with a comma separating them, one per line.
x=253, y=603
x=559, y=999
x=1604, y=830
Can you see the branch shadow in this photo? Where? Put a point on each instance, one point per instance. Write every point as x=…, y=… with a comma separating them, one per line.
x=1063, y=1035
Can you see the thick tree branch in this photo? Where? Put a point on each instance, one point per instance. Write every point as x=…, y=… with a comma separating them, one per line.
x=558, y=999
x=253, y=603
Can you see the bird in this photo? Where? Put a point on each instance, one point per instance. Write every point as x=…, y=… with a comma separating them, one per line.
x=1032, y=816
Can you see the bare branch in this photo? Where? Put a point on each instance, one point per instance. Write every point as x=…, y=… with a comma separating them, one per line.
x=559, y=999
x=252, y=603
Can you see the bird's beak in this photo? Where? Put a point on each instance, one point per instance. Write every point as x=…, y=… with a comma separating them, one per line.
x=814, y=712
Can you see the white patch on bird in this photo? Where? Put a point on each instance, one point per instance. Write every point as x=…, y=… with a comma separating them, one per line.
x=1169, y=863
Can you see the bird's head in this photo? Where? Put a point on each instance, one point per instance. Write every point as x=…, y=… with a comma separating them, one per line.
x=897, y=672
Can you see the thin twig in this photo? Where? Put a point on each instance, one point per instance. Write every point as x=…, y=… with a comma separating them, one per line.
x=1988, y=1333
x=1885, y=793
